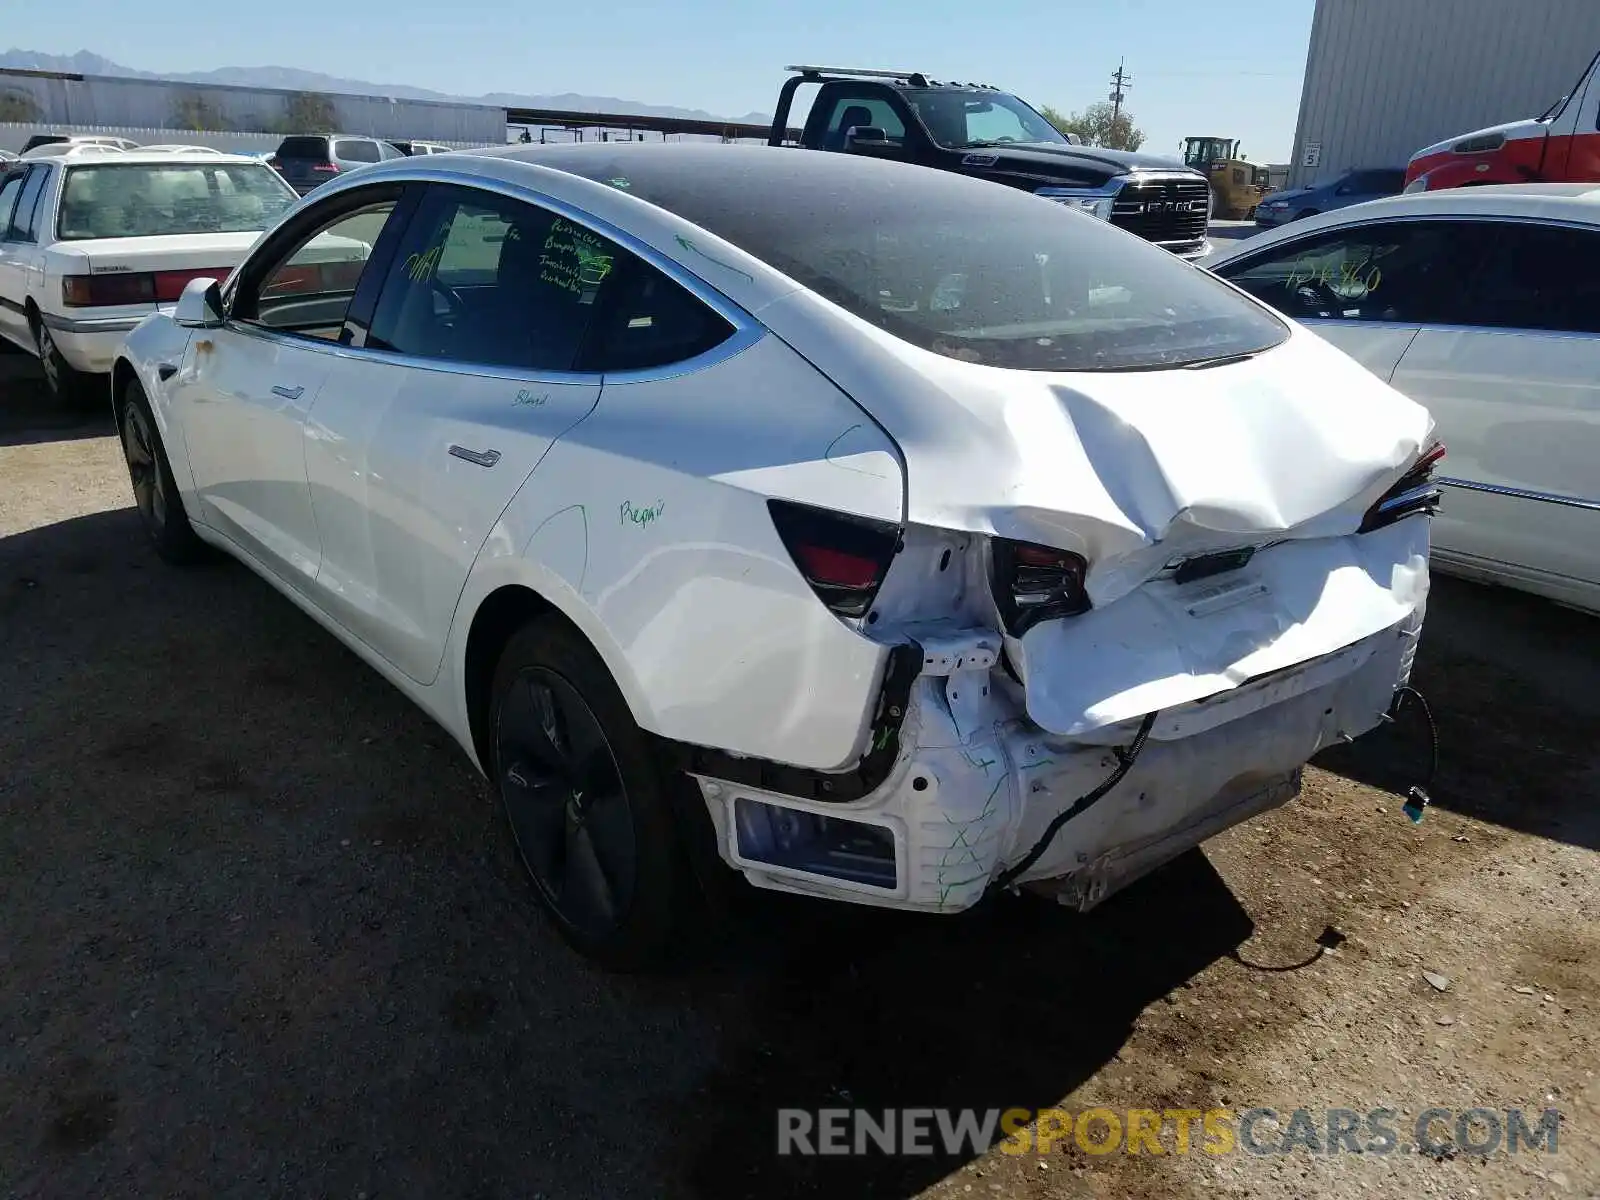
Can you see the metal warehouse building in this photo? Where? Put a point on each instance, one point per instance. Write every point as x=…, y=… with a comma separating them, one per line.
x=1386, y=77
x=172, y=111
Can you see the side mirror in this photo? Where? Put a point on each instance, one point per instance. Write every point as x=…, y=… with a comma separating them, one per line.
x=200, y=305
x=867, y=137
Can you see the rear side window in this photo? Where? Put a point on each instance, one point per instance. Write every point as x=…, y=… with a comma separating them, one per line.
x=484, y=279
x=356, y=150
x=22, y=221
x=649, y=320
x=1539, y=278
x=315, y=148
x=1399, y=271
x=850, y=112
x=8, y=199
x=39, y=227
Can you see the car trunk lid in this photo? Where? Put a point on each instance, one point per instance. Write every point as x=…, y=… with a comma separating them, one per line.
x=142, y=272
x=1280, y=454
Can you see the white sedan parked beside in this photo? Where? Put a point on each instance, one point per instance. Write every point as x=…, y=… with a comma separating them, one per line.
x=879, y=533
x=93, y=239
x=1484, y=305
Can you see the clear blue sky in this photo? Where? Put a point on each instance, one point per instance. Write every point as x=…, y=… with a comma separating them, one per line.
x=1225, y=67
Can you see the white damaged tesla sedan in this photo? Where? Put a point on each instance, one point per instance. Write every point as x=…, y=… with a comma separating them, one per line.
x=873, y=532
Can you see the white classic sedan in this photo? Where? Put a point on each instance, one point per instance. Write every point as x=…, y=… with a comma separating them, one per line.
x=94, y=238
x=875, y=532
x=1484, y=305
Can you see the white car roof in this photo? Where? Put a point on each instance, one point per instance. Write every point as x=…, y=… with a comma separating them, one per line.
x=165, y=158
x=1574, y=203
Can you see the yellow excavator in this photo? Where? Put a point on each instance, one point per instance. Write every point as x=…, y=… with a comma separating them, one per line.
x=1237, y=185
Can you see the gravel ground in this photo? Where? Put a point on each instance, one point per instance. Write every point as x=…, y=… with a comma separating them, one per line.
x=264, y=935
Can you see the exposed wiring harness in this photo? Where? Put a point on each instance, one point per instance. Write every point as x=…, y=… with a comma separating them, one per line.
x=1417, y=797
x=1125, y=759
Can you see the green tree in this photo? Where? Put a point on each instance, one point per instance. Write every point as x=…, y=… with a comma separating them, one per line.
x=1096, y=127
x=309, y=112
x=192, y=110
x=19, y=107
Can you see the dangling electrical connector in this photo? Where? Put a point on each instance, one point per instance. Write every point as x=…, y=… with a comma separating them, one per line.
x=1417, y=798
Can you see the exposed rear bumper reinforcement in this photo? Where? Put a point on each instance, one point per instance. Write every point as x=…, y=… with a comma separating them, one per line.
x=837, y=787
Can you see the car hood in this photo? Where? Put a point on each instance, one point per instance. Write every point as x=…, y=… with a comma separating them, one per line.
x=1052, y=159
x=1526, y=127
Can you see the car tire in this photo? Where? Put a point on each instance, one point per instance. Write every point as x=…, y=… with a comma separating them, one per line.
x=589, y=805
x=1304, y=213
x=68, y=386
x=155, y=493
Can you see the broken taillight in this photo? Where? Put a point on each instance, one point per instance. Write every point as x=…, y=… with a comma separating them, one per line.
x=1414, y=492
x=1035, y=583
x=844, y=558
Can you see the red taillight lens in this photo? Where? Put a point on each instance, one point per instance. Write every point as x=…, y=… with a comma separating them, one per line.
x=326, y=168
x=1413, y=493
x=273, y=162
x=106, y=290
x=843, y=558
x=170, y=284
x=1035, y=583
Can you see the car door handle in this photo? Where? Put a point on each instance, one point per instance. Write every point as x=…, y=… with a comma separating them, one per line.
x=288, y=393
x=480, y=458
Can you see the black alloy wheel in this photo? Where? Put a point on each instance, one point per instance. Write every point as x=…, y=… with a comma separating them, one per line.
x=567, y=802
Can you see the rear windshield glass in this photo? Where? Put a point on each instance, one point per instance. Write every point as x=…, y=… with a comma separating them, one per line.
x=109, y=200
x=304, y=147
x=967, y=269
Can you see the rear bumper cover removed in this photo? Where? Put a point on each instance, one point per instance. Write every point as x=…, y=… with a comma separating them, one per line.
x=977, y=781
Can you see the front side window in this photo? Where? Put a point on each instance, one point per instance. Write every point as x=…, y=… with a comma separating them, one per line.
x=484, y=279
x=308, y=289
x=968, y=120
x=109, y=200
x=1407, y=272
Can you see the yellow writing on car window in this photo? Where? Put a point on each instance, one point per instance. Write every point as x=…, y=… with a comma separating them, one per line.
x=574, y=259
x=1349, y=276
x=422, y=266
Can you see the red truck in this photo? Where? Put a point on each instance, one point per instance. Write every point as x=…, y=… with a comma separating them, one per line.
x=1562, y=146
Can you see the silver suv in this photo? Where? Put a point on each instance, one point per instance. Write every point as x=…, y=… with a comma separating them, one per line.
x=308, y=161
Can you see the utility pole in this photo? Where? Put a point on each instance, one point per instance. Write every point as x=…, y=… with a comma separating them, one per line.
x=1121, y=81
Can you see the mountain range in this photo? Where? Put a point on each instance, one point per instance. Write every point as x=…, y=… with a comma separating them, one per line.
x=86, y=62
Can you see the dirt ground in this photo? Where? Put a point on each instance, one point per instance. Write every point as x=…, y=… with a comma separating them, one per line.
x=263, y=935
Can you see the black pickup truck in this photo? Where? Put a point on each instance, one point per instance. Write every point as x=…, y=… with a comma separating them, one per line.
x=978, y=130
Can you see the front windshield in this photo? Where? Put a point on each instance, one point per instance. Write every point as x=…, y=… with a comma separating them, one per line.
x=1556, y=109
x=963, y=120
x=113, y=200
